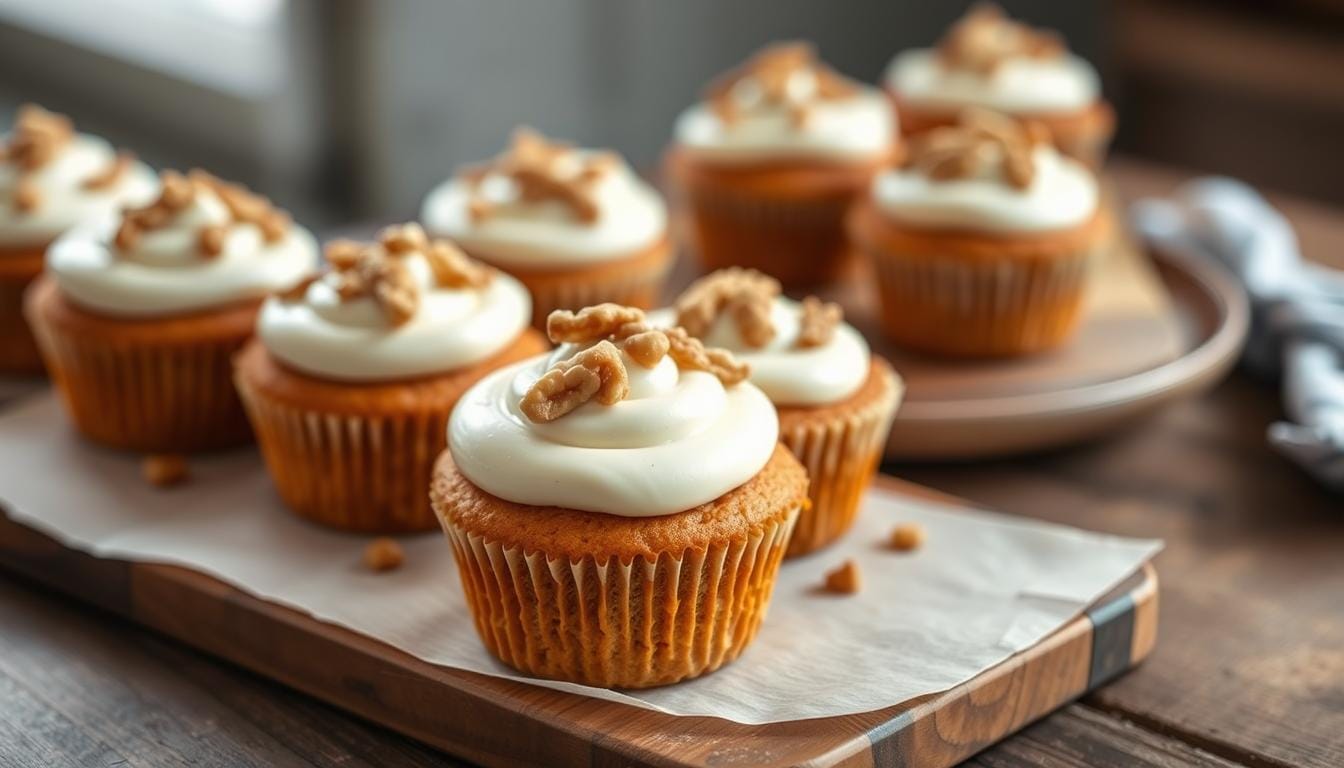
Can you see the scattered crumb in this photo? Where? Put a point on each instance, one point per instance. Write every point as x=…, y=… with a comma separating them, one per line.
x=845, y=579
x=164, y=470
x=907, y=537
x=383, y=555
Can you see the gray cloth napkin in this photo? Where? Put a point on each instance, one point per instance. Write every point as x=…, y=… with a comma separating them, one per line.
x=1297, y=326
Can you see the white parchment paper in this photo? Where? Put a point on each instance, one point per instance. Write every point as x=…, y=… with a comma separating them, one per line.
x=983, y=586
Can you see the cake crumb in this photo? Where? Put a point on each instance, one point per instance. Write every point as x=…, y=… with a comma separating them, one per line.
x=844, y=580
x=383, y=555
x=907, y=537
x=164, y=469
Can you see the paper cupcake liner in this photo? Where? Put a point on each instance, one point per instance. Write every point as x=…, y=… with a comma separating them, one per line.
x=634, y=288
x=798, y=241
x=840, y=458
x=170, y=397
x=364, y=473
x=620, y=625
x=981, y=307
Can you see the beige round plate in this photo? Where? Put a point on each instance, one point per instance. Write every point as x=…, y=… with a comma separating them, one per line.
x=964, y=411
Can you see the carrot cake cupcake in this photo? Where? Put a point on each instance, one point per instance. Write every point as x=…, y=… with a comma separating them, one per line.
x=767, y=166
x=988, y=60
x=51, y=178
x=139, y=314
x=352, y=374
x=982, y=243
x=575, y=226
x=619, y=507
x=835, y=399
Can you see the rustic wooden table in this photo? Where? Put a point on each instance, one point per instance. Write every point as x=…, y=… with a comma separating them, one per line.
x=1249, y=668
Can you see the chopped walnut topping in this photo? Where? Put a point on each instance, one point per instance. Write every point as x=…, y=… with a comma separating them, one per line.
x=535, y=166
x=747, y=295
x=342, y=254
x=176, y=194
x=383, y=555
x=453, y=269
x=844, y=580
x=403, y=238
x=590, y=323
x=111, y=175
x=983, y=143
x=985, y=38
x=27, y=198
x=297, y=291
x=37, y=136
x=647, y=348
x=164, y=470
x=907, y=537
x=390, y=284
x=818, y=323
x=775, y=71
x=595, y=372
x=690, y=354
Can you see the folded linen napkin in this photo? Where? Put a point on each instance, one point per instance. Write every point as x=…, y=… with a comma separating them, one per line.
x=1297, y=326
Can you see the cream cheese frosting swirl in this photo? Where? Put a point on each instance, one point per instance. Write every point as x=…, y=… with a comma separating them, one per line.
x=327, y=329
x=785, y=104
x=52, y=179
x=542, y=205
x=677, y=439
x=199, y=253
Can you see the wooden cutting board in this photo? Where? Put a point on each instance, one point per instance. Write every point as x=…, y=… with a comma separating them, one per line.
x=498, y=722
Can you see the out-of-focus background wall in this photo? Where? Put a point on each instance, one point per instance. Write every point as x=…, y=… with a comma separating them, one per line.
x=353, y=109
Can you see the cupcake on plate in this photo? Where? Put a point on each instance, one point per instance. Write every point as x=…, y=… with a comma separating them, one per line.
x=768, y=165
x=575, y=226
x=988, y=60
x=139, y=314
x=835, y=399
x=983, y=242
x=619, y=507
x=51, y=178
x=353, y=373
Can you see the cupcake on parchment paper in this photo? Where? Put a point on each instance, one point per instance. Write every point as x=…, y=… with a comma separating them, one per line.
x=353, y=373
x=575, y=226
x=618, y=508
x=836, y=401
x=138, y=315
x=51, y=178
x=766, y=168
x=989, y=61
x=983, y=243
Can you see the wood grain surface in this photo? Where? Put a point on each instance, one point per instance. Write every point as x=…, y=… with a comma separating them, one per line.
x=1247, y=672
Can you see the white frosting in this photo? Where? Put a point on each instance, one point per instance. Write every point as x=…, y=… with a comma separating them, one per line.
x=165, y=272
x=1062, y=194
x=352, y=340
x=1021, y=85
x=679, y=440
x=855, y=128
x=631, y=218
x=64, y=202
x=787, y=373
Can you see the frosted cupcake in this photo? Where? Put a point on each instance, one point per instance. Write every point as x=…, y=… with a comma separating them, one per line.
x=990, y=61
x=138, y=315
x=835, y=399
x=51, y=178
x=353, y=373
x=576, y=227
x=768, y=165
x=983, y=242
x=618, y=508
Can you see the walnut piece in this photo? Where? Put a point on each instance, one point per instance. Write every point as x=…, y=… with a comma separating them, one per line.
x=534, y=165
x=164, y=470
x=596, y=372
x=985, y=38
x=297, y=291
x=454, y=269
x=391, y=285
x=383, y=554
x=647, y=348
x=27, y=198
x=981, y=143
x=772, y=70
x=907, y=536
x=403, y=238
x=690, y=353
x=590, y=323
x=177, y=192
x=745, y=294
x=844, y=580
x=818, y=323
x=111, y=175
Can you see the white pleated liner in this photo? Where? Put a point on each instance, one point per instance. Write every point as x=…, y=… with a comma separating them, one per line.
x=1017, y=305
x=615, y=624
x=839, y=457
x=353, y=472
x=155, y=398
